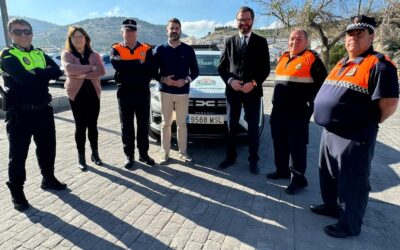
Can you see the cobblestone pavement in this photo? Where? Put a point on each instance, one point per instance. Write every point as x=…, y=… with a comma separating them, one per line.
x=191, y=206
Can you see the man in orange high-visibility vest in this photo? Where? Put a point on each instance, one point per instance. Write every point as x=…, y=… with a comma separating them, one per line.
x=132, y=61
x=298, y=77
x=360, y=92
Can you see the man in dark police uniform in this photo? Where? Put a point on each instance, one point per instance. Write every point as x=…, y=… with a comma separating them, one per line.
x=360, y=92
x=26, y=72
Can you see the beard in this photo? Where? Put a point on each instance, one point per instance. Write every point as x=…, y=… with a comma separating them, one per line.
x=245, y=28
x=174, y=36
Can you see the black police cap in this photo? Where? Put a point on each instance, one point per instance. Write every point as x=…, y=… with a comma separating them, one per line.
x=129, y=24
x=361, y=22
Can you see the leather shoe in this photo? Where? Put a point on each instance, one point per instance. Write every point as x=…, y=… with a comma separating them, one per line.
x=82, y=162
x=129, y=163
x=295, y=186
x=254, y=168
x=337, y=231
x=227, y=163
x=325, y=210
x=147, y=159
x=18, y=197
x=21, y=206
x=277, y=175
x=53, y=184
x=96, y=158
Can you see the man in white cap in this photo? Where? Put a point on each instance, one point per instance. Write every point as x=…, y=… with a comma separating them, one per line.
x=360, y=92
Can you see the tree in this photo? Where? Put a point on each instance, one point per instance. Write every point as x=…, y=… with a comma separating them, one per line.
x=327, y=18
x=337, y=52
x=284, y=10
x=387, y=36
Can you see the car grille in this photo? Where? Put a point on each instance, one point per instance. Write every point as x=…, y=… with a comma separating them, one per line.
x=207, y=106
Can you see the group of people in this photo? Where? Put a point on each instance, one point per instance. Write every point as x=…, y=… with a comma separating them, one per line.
x=360, y=92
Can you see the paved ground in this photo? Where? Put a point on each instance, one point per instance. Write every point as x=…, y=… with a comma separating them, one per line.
x=189, y=206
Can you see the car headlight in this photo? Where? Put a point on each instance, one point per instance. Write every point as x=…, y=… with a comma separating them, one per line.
x=155, y=95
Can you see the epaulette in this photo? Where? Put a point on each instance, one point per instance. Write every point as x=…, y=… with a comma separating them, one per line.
x=383, y=58
x=5, y=52
x=314, y=52
x=380, y=56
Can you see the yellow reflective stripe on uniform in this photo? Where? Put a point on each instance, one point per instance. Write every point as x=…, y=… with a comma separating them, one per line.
x=30, y=60
x=294, y=79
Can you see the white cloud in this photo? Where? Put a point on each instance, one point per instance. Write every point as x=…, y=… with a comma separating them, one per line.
x=231, y=23
x=93, y=14
x=199, y=28
x=273, y=25
x=115, y=11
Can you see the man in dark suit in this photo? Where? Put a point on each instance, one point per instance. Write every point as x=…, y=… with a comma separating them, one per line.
x=244, y=65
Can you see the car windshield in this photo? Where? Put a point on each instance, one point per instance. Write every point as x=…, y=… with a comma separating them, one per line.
x=208, y=64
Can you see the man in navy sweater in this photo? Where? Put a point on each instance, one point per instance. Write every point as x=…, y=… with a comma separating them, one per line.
x=176, y=66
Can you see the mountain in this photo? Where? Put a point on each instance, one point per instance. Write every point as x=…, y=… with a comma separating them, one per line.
x=103, y=31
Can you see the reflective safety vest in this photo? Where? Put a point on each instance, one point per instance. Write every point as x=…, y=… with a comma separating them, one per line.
x=29, y=59
x=138, y=54
x=354, y=76
x=296, y=70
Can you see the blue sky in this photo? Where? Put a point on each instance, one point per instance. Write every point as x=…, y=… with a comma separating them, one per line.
x=197, y=16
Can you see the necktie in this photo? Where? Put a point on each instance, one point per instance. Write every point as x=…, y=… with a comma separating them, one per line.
x=244, y=45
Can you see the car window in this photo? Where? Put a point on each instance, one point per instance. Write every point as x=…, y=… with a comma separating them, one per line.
x=106, y=59
x=208, y=64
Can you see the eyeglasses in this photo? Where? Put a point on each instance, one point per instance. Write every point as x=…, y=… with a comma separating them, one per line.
x=19, y=32
x=78, y=37
x=246, y=20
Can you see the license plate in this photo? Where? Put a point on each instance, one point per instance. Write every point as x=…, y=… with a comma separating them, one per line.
x=206, y=119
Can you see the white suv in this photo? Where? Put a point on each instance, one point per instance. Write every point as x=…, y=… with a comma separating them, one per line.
x=207, y=116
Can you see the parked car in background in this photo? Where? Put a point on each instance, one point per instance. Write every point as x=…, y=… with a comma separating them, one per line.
x=56, y=58
x=207, y=117
x=110, y=71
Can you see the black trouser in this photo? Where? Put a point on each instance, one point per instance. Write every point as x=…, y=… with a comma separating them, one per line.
x=134, y=103
x=251, y=105
x=21, y=126
x=289, y=130
x=86, y=109
x=344, y=171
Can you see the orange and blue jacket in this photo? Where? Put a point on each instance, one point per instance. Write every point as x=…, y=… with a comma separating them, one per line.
x=347, y=101
x=133, y=69
x=297, y=79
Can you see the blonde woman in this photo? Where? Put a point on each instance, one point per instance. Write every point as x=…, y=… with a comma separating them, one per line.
x=83, y=68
